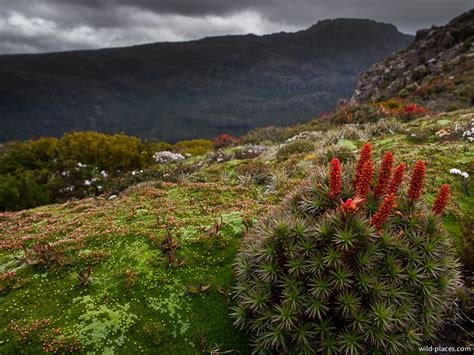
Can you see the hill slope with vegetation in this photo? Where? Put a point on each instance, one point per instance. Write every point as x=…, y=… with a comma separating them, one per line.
x=161, y=252
x=196, y=89
x=437, y=69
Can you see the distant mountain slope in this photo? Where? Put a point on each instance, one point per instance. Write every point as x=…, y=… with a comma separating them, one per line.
x=436, y=69
x=183, y=90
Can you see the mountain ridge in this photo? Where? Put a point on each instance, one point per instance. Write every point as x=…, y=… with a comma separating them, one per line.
x=183, y=90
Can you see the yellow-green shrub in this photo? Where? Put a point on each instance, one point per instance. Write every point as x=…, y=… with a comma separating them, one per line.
x=193, y=147
x=107, y=152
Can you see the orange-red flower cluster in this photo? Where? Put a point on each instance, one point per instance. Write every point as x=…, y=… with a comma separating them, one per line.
x=381, y=216
x=335, y=178
x=385, y=172
x=397, y=179
x=386, y=186
x=413, y=108
x=365, y=179
x=442, y=199
x=225, y=140
x=365, y=154
x=417, y=181
x=351, y=205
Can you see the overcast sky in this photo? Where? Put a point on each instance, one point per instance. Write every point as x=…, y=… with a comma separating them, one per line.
x=30, y=26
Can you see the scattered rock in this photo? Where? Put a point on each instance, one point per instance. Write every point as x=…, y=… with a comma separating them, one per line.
x=435, y=57
x=166, y=156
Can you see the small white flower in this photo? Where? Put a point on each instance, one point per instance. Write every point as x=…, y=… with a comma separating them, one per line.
x=134, y=172
x=104, y=174
x=87, y=182
x=459, y=172
x=99, y=187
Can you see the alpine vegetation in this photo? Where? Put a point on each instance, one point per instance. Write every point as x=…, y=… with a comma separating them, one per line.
x=349, y=263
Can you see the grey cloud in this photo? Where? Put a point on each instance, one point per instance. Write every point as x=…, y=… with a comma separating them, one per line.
x=48, y=25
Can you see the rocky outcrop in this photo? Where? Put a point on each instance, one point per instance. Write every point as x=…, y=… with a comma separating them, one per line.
x=438, y=63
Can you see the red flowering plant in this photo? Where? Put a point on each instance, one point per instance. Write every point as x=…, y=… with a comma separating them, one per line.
x=351, y=205
x=225, y=141
x=348, y=249
x=411, y=111
x=384, y=211
x=365, y=179
x=384, y=174
x=335, y=179
x=399, y=109
x=442, y=199
x=417, y=181
x=364, y=156
x=397, y=179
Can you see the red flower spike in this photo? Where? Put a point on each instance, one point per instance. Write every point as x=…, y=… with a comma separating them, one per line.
x=365, y=179
x=382, y=214
x=442, y=199
x=384, y=174
x=335, y=178
x=365, y=154
x=417, y=181
x=397, y=179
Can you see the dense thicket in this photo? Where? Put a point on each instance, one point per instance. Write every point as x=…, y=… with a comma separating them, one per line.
x=48, y=170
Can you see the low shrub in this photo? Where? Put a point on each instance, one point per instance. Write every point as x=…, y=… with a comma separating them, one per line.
x=225, y=141
x=350, y=113
x=160, y=146
x=410, y=112
x=338, y=268
x=299, y=146
x=268, y=134
x=259, y=172
x=344, y=150
x=48, y=170
x=435, y=87
x=391, y=105
x=194, y=147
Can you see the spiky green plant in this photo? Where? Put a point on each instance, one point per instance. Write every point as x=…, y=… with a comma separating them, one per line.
x=345, y=274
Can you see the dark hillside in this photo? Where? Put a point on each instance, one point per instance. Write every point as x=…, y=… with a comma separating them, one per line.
x=183, y=90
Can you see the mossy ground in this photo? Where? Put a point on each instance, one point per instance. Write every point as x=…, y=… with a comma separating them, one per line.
x=136, y=303
x=150, y=311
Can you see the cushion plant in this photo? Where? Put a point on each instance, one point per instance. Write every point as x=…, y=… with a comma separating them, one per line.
x=349, y=263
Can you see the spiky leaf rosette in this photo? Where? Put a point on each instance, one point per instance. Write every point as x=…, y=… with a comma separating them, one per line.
x=315, y=275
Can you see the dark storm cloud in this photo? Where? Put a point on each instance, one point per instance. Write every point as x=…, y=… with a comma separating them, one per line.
x=48, y=25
